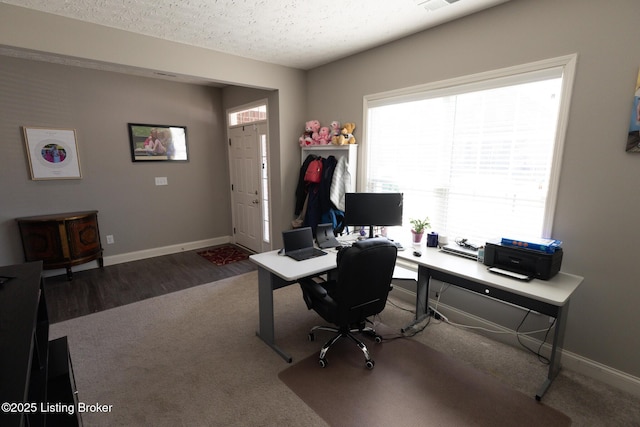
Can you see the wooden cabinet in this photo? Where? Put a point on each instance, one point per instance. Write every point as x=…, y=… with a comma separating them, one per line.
x=35, y=373
x=61, y=240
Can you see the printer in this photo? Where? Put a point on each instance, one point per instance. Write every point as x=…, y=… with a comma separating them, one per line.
x=533, y=263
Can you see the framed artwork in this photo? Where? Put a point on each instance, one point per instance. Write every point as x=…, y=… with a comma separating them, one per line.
x=158, y=143
x=633, y=140
x=52, y=153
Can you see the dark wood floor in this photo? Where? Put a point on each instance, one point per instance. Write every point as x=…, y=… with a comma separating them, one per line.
x=100, y=289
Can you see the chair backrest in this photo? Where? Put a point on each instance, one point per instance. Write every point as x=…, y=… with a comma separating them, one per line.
x=364, y=278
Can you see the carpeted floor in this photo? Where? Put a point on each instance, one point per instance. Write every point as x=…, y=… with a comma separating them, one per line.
x=412, y=383
x=192, y=358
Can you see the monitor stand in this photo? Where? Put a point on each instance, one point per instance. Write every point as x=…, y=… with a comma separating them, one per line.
x=371, y=236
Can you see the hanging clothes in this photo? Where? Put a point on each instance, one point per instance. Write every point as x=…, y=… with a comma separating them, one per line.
x=340, y=183
x=328, y=167
x=315, y=201
x=301, y=189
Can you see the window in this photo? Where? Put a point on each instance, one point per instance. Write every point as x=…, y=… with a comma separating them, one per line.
x=249, y=115
x=479, y=155
x=264, y=179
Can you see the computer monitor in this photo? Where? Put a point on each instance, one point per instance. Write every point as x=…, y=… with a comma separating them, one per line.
x=373, y=209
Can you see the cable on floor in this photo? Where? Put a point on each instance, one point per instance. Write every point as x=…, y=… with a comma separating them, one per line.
x=434, y=313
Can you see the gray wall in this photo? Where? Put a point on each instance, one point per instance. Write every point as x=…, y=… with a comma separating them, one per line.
x=99, y=104
x=596, y=214
x=70, y=40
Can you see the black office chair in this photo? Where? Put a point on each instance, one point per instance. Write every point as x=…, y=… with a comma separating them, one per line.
x=359, y=291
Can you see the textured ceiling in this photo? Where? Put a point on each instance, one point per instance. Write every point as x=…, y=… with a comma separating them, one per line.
x=296, y=33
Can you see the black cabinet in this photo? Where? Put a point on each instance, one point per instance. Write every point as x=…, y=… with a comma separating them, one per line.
x=35, y=373
x=61, y=386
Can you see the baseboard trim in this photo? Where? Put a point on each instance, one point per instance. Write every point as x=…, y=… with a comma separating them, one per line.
x=165, y=250
x=144, y=254
x=570, y=361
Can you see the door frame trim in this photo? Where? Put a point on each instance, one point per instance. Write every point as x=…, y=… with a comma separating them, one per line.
x=264, y=246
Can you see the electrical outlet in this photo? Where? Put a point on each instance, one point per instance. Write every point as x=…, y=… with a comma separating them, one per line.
x=110, y=240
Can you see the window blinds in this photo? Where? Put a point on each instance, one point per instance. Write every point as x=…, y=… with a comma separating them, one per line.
x=475, y=157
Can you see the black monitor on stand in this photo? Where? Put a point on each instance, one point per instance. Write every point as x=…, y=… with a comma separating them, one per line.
x=373, y=210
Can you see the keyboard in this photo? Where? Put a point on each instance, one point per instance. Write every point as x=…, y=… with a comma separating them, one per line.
x=303, y=254
x=398, y=245
x=458, y=250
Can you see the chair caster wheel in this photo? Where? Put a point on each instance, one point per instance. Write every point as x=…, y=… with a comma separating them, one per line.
x=312, y=337
x=370, y=364
x=323, y=363
x=378, y=339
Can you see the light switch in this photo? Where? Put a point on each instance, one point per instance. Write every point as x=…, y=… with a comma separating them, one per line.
x=161, y=180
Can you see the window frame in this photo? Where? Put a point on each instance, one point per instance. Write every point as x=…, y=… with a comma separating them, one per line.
x=472, y=82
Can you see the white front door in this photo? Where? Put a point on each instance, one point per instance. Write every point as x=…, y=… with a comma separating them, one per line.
x=245, y=167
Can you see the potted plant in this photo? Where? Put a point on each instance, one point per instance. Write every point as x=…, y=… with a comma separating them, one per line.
x=418, y=226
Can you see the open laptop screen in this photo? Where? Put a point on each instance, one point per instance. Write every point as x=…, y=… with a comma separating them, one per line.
x=298, y=238
x=298, y=244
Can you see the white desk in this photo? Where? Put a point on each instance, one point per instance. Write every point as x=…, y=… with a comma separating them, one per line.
x=549, y=297
x=276, y=271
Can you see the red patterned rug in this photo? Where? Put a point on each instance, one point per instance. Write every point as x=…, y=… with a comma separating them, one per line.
x=224, y=255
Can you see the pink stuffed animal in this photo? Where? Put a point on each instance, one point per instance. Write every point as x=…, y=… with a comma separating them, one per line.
x=310, y=128
x=324, y=136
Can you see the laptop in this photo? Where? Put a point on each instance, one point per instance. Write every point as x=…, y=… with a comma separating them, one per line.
x=325, y=236
x=298, y=244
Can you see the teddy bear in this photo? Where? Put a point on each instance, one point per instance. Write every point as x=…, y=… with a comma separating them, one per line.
x=346, y=135
x=335, y=131
x=324, y=136
x=310, y=127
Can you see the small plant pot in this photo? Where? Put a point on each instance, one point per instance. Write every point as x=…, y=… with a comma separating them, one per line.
x=417, y=237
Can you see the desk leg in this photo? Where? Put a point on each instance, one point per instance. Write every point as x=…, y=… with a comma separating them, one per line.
x=266, y=332
x=422, y=297
x=556, y=350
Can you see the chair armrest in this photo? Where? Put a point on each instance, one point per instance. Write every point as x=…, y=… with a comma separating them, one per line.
x=314, y=288
x=316, y=292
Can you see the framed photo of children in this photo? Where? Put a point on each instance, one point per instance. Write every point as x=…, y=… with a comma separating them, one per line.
x=158, y=143
x=52, y=153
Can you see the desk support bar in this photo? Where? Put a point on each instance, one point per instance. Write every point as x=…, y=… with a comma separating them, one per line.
x=556, y=350
x=422, y=295
x=422, y=298
x=267, y=283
